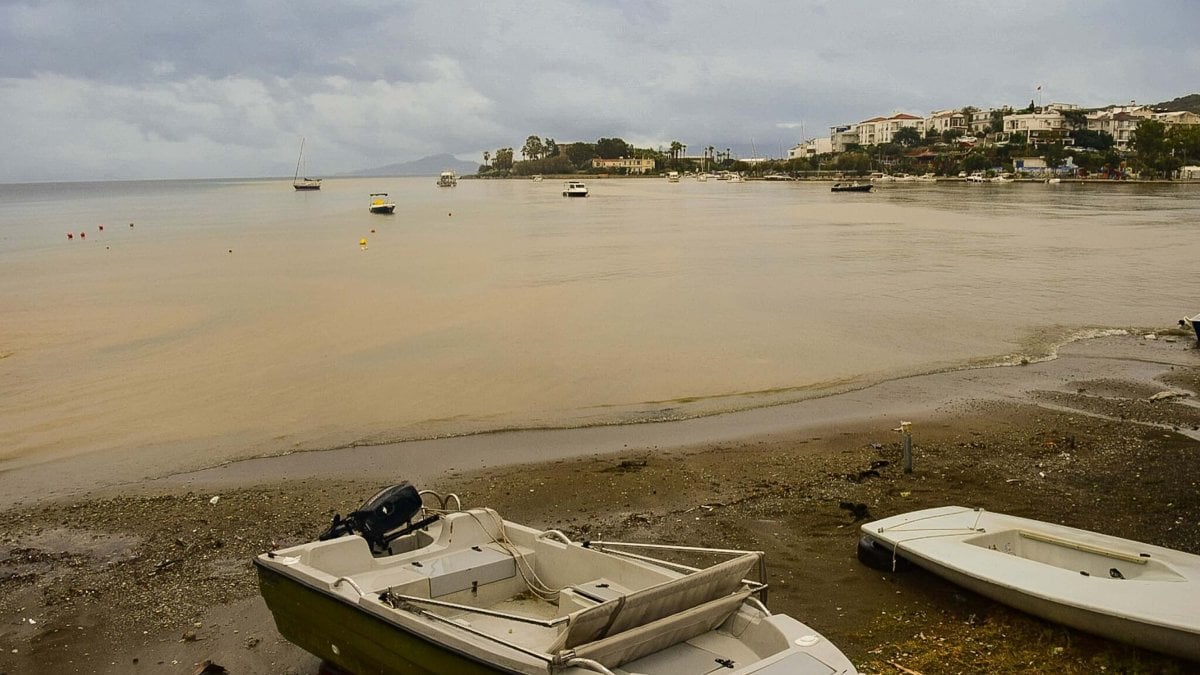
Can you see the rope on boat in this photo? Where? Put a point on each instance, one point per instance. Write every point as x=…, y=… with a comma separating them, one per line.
x=944, y=531
x=532, y=581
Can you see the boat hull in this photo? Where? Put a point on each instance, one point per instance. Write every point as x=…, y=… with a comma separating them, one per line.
x=851, y=188
x=1119, y=589
x=306, y=187
x=355, y=641
x=383, y=209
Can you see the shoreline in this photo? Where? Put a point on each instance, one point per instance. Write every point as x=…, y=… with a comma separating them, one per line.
x=907, y=397
x=155, y=574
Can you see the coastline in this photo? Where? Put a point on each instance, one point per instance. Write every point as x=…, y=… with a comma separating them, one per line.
x=908, y=397
x=152, y=573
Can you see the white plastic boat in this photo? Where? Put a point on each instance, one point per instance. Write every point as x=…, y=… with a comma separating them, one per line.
x=399, y=587
x=574, y=188
x=1120, y=589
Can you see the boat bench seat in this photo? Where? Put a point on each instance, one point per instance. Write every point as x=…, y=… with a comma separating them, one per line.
x=618, y=629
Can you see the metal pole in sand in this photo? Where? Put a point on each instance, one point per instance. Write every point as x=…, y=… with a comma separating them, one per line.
x=906, y=445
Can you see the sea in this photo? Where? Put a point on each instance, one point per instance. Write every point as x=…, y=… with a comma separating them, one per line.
x=220, y=319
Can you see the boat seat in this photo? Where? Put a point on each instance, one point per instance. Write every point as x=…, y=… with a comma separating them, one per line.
x=651, y=604
x=644, y=639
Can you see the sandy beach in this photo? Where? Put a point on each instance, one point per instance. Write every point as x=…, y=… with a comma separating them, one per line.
x=114, y=566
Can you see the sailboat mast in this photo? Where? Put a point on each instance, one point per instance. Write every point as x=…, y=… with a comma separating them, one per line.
x=298, y=160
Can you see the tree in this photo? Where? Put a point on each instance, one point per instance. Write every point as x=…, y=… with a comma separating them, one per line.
x=580, y=154
x=1153, y=150
x=612, y=148
x=1075, y=119
x=907, y=136
x=551, y=147
x=503, y=159
x=487, y=156
x=950, y=135
x=533, y=148
x=676, y=148
x=1096, y=140
x=1185, y=142
x=996, y=125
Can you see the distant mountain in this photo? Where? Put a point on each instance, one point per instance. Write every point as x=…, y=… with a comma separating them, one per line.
x=1191, y=103
x=426, y=166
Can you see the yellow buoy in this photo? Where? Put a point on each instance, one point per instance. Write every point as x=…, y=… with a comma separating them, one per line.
x=362, y=243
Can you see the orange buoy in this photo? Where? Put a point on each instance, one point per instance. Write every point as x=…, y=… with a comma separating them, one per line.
x=101, y=228
x=70, y=236
x=82, y=235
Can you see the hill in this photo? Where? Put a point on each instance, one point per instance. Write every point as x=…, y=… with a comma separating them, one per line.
x=426, y=166
x=1191, y=103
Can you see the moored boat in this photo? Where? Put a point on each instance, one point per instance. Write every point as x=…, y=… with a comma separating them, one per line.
x=574, y=188
x=381, y=204
x=1120, y=589
x=851, y=187
x=399, y=586
x=447, y=179
x=305, y=183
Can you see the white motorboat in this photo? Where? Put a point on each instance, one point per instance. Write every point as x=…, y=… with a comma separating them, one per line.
x=1120, y=589
x=976, y=178
x=574, y=188
x=401, y=587
x=672, y=176
x=447, y=179
x=381, y=204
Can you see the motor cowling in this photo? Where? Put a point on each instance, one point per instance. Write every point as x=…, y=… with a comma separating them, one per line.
x=385, y=512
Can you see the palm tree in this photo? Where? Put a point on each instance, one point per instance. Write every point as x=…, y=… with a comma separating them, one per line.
x=486, y=157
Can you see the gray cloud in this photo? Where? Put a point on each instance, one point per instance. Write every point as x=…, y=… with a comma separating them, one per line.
x=223, y=88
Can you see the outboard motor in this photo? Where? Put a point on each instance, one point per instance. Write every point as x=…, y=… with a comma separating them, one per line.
x=385, y=516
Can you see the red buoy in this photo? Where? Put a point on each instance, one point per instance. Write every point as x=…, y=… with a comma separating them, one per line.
x=82, y=235
x=101, y=228
x=70, y=236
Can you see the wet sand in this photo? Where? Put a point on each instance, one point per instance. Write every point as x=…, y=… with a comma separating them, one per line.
x=116, y=568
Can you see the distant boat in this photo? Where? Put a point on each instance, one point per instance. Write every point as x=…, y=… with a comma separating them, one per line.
x=851, y=187
x=447, y=179
x=1123, y=590
x=776, y=176
x=574, y=188
x=381, y=204
x=305, y=183
x=672, y=176
x=976, y=178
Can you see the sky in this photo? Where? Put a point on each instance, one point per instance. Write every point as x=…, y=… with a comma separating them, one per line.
x=149, y=89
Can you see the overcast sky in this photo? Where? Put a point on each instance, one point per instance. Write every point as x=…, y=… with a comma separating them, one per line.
x=119, y=89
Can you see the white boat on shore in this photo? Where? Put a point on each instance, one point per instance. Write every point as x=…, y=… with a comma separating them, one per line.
x=1120, y=589
x=401, y=587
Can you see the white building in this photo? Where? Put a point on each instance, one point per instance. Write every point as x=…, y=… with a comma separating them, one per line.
x=880, y=130
x=811, y=148
x=942, y=121
x=1038, y=127
x=1119, y=124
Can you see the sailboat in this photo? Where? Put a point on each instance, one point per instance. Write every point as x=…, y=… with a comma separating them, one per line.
x=305, y=183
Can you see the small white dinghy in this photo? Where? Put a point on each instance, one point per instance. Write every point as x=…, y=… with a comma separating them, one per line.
x=399, y=587
x=1123, y=590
